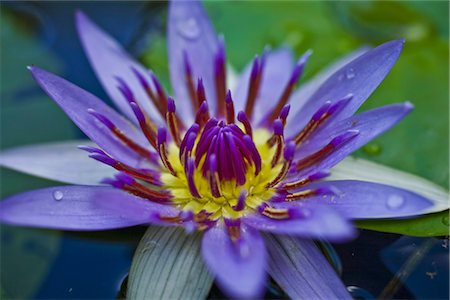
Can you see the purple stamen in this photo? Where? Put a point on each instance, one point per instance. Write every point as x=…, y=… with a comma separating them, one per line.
x=190, y=178
x=220, y=76
x=242, y=117
x=240, y=201
x=321, y=111
x=229, y=108
x=104, y=120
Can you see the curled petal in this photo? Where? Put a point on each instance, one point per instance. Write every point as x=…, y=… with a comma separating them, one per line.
x=239, y=267
x=79, y=208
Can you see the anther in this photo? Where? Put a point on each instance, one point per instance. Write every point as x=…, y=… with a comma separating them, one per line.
x=172, y=121
x=309, y=193
x=322, y=115
x=278, y=140
x=240, y=205
x=325, y=151
x=274, y=213
x=296, y=73
x=144, y=123
x=143, y=174
x=288, y=156
x=296, y=184
x=214, y=176
x=190, y=169
x=202, y=115
x=242, y=117
x=254, y=152
x=162, y=136
x=229, y=108
x=130, y=184
x=146, y=85
x=120, y=135
x=284, y=114
x=193, y=129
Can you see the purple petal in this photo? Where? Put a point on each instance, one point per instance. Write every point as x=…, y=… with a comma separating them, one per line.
x=366, y=200
x=61, y=161
x=110, y=61
x=301, y=269
x=307, y=89
x=190, y=31
x=76, y=102
x=369, y=124
x=360, y=78
x=239, y=267
x=276, y=74
x=313, y=221
x=79, y=208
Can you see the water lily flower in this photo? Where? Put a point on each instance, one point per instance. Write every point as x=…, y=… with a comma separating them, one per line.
x=227, y=161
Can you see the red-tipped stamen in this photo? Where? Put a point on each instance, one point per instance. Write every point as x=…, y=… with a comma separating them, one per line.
x=242, y=117
x=162, y=136
x=145, y=124
x=240, y=205
x=296, y=184
x=229, y=108
x=202, y=115
x=288, y=156
x=325, y=151
x=190, y=169
x=214, y=177
x=277, y=140
x=296, y=73
x=120, y=135
x=172, y=121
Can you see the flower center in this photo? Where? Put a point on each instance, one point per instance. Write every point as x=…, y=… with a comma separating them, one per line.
x=221, y=171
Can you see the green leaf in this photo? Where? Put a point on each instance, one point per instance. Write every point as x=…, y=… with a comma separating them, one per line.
x=436, y=224
x=168, y=265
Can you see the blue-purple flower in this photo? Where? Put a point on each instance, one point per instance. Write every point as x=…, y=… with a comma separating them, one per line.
x=227, y=161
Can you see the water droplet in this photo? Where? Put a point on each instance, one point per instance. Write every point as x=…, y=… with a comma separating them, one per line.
x=350, y=73
x=359, y=293
x=188, y=28
x=58, y=195
x=395, y=201
x=372, y=149
x=445, y=221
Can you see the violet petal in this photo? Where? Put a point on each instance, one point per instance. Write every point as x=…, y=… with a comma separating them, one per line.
x=277, y=71
x=301, y=270
x=110, y=61
x=75, y=102
x=239, y=267
x=79, y=208
x=360, y=77
x=369, y=124
x=366, y=200
x=190, y=31
x=317, y=222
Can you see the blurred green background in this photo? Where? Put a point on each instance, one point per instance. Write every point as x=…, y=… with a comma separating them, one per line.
x=42, y=33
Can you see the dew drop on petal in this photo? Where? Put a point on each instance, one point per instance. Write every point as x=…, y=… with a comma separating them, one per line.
x=395, y=201
x=58, y=195
x=350, y=73
x=188, y=28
